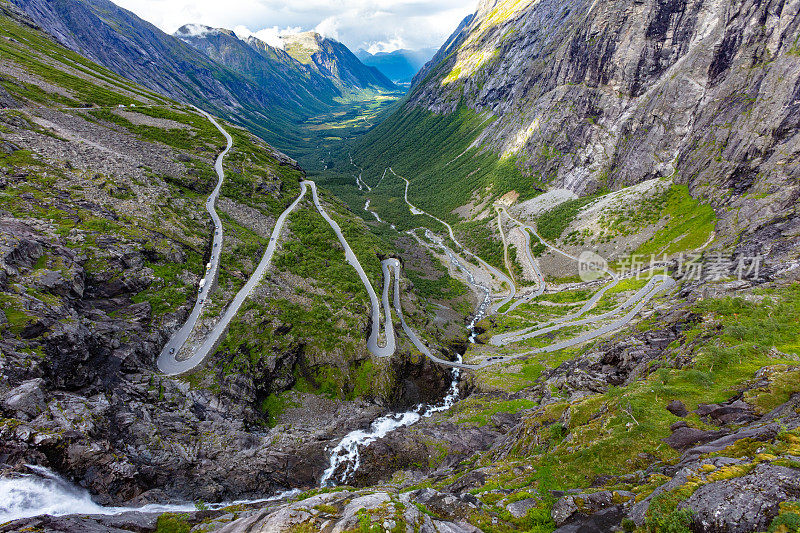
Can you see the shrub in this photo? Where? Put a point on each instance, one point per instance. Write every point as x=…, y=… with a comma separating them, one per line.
x=785, y=523
x=173, y=523
x=678, y=522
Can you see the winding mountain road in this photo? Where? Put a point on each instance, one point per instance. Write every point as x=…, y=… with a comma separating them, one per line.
x=655, y=285
x=512, y=291
x=167, y=361
x=541, y=284
x=373, y=343
x=383, y=345
x=527, y=228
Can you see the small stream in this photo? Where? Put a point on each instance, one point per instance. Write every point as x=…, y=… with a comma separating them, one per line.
x=367, y=209
x=486, y=303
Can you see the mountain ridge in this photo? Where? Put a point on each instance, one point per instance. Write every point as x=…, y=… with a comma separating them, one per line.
x=398, y=65
x=334, y=60
x=262, y=64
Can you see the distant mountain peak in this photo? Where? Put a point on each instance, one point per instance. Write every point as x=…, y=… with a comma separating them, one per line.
x=195, y=30
x=398, y=65
x=334, y=60
x=311, y=39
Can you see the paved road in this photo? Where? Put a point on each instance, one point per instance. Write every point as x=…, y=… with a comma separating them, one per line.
x=655, y=285
x=373, y=343
x=569, y=320
x=526, y=228
x=541, y=284
x=167, y=362
x=359, y=180
x=495, y=271
x=506, y=259
x=171, y=365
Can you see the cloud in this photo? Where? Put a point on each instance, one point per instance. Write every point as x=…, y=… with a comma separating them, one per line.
x=380, y=25
x=396, y=43
x=328, y=28
x=271, y=36
x=196, y=30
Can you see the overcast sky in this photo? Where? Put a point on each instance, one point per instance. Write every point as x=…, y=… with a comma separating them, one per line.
x=374, y=25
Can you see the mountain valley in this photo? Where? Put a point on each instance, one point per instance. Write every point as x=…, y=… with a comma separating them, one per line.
x=554, y=287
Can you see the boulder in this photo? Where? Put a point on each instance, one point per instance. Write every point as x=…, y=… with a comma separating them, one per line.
x=340, y=511
x=21, y=252
x=125, y=522
x=447, y=505
x=53, y=282
x=746, y=503
x=684, y=437
x=577, y=507
x=677, y=408
x=26, y=401
x=736, y=412
x=606, y=520
x=520, y=508
x=470, y=480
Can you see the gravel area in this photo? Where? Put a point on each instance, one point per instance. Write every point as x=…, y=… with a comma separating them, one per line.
x=544, y=202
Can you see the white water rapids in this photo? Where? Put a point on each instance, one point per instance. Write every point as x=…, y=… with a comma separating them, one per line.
x=45, y=493
x=346, y=456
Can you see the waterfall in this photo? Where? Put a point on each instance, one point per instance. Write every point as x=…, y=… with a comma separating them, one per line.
x=45, y=493
x=347, y=455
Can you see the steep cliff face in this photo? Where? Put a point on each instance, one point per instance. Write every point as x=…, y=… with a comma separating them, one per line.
x=589, y=95
x=453, y=42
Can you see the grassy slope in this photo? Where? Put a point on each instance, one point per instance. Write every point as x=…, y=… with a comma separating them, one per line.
x=568, y=444
x=433, y=152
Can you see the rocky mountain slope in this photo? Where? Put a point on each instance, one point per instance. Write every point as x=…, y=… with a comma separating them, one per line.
x=597, y=96
x=131, y=47
x=262, y=64
x=333, y=60
x=103, y=240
